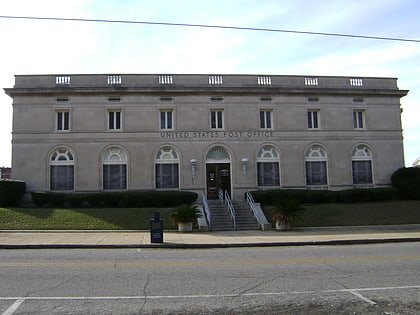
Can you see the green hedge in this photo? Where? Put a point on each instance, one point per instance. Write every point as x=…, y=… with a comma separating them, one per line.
x=11, y=192
x=114, y=199
x=269, y=197
x=407, y=180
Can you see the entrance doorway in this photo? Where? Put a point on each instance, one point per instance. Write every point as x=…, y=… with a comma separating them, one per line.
x=218, y=177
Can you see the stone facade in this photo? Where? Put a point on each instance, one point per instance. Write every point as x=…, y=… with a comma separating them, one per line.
x=204, y=132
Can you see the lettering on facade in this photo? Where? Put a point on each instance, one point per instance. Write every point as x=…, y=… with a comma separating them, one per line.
x=215, y=134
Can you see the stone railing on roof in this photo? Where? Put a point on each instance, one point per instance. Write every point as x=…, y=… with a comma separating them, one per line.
x=200, y=80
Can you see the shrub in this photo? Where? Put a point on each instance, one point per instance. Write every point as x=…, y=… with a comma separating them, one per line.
x=407, y=181
x=57, y=199
x=75, y=200
x=185, y=213
x=288, y=210
x=111, y=199
x=11, y=192
x=93, y=199
x=40, y=199
x=115, y=199
x=269, y=197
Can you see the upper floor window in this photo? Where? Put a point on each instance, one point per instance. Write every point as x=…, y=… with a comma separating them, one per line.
x=114, y=119
x=166, y=119
x=63, y=120
x=313, y=118
x=359, y=119
x=265, y=119
x=216, y=119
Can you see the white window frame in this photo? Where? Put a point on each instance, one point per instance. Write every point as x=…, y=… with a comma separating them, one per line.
x=218, y=119
x=166, y=117
x=362, y=153
x=316, y=153
x=313, y=119
x=118, y=157
x=62, y=120
x=167, y=156
x=114, y=119
x=268, y=154
x=266, y=118
x=61, y=157
x=359, y=119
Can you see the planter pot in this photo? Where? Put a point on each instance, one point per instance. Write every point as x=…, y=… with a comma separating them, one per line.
x=282, y=226
x=185, y=227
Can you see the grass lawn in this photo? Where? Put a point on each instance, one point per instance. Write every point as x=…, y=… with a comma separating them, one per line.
x=353, y=214
x=381, y=213
x=81, y=219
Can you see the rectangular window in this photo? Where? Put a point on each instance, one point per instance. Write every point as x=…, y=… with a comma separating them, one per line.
x=61, y=177
x=166, y=119
x=265, y=119
x=362, y=172
x=313, y=119
x=63, y=120
x=268, y=174
x=216, y=119
x=114, y=120
x=359, y=119
x=316, y=173
x=167, y=176
x=114, y=176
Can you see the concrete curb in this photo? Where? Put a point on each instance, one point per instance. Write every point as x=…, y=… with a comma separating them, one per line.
x=209, y=246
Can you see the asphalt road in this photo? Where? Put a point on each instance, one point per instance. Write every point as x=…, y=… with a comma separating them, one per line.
x=367, y=279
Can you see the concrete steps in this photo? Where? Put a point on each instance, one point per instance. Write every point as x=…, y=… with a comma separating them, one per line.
x=222, y=221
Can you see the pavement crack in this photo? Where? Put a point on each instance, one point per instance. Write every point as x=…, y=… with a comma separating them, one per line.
x=144, y=294
x=251, y=288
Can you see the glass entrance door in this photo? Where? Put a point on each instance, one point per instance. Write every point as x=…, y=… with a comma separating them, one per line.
x=218, y=177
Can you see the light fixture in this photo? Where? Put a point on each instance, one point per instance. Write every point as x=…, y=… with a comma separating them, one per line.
x=244, y=166
x=193, y=167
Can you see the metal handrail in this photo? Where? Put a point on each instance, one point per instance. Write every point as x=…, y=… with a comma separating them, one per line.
x=206, y=209
x=230, y=207
x=253, y=206
x=258, y=213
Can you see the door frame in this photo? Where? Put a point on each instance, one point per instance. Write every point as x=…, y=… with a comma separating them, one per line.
x=217, y=177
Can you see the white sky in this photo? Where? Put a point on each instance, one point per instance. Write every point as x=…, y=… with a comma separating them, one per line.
x=52, y=47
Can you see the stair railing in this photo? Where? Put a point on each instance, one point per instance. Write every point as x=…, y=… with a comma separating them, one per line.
x=226, y=199
x=258, y=214
x=206, y=209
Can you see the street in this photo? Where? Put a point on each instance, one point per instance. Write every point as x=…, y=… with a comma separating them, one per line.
x=368, y=279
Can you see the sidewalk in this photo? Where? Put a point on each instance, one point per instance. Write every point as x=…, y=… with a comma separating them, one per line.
x=173, y=239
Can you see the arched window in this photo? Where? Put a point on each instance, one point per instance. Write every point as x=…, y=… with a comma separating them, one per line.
x=268, y=166
x=62, y=170
x=361, y=162
x=167, y=168
x=218, y=154
x=114, y=168
x=316, y=166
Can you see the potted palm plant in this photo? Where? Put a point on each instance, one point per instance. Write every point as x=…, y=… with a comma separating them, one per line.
x=185, y=215
x=287, y=211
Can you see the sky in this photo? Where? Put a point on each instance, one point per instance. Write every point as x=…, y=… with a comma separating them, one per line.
x=68, y=47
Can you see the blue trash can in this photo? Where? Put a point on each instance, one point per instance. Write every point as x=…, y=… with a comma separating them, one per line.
x=156, y=229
